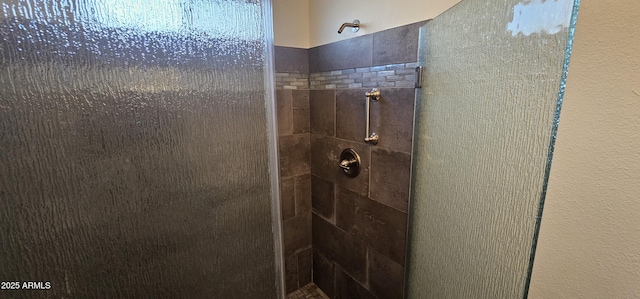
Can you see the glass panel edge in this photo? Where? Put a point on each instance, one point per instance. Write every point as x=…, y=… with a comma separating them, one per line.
x=272, y=135
x=552, y=143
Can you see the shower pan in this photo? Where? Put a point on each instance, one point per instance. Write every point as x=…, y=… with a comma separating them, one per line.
x=138, y=150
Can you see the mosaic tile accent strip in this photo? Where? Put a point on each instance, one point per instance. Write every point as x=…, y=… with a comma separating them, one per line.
x=392, y=75
x=292, y=81
x=310, y=291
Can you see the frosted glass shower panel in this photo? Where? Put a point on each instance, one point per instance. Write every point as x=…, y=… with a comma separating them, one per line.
x=135, y=149
x=486, y=121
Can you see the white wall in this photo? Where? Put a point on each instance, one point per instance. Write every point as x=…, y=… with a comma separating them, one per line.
x=375, y=15
x=589, y=244
x=310, y=23
x=291, y=23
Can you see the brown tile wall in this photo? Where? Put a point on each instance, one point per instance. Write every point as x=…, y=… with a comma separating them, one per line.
x=346, y=234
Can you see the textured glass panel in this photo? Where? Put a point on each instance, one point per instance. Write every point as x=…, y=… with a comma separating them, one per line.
x=135, y=150
x=486, y=120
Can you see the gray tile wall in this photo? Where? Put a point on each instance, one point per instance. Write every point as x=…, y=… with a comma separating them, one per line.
x=350, y=53
x=294, y=124
x=359, y=224
x=295, y=184
x=291, y=60
x=393, y=46
x=292, y=68
x=350, y=233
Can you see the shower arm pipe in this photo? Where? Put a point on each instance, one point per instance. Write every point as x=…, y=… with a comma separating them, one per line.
x=355, y=26
x=374, y=95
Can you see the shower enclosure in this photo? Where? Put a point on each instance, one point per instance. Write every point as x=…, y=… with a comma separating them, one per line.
x=486, y=120
x=138, y=150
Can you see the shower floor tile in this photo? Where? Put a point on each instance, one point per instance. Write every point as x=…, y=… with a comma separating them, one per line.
x=310, y=291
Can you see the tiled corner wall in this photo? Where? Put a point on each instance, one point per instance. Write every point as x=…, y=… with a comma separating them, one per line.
x=295, y=164
x=357, y=225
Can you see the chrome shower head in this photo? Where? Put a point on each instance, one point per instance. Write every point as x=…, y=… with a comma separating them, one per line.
x=355, y=26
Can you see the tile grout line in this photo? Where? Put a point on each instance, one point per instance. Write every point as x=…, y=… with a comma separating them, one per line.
x=362, y=143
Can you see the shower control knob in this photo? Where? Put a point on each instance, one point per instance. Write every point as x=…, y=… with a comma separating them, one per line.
x=350, y=162
x=346, y=164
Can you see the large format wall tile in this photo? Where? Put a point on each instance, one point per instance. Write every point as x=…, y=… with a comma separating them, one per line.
x=301, y=115
x=351, y=114
x=285, y=112
x=323, y=111
x=323, y=198
x=347, y=288
x=392, y=46
x=291, y=272
x=386, y=277
x=294, y=155
x=392, y=118
x=341, y=248
x=291, y=60
x=325, y=158
x=298, y=269
x=302, y=192
x=396, y=45
x=350, y=53
x=287, y=198
x=380, y=226
x=323, y=273
x=305, y=264
x=390, y=178
x=296, y=233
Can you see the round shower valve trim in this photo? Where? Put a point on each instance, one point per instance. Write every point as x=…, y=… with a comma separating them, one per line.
x=350, y=162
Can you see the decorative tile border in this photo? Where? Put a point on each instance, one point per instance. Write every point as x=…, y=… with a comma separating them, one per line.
x=391, y=75
x=292, y=81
